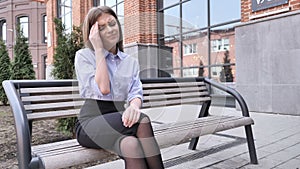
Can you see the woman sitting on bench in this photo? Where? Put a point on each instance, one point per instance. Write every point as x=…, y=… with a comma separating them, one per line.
x=109, y=78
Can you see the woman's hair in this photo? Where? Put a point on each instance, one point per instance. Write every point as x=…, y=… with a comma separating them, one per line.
x=92, y=17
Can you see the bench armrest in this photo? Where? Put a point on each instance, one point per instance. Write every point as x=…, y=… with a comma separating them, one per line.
x=21, y=123
x=232, y=92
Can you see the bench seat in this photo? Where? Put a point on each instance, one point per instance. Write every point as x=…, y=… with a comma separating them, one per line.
x=166, y=135
x=33, y=100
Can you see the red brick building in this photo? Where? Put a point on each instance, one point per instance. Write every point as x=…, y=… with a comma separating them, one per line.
x=33, y=19
x=159, y=33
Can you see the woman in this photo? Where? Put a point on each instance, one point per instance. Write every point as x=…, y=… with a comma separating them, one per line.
x=109, y=78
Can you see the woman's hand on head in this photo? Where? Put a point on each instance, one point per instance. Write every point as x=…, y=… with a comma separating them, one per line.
x=95, y=38
x=131, y=115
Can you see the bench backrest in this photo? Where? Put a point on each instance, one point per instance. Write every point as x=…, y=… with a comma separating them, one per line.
x=60, y=98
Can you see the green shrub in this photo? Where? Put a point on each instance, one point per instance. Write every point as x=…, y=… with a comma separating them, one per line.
x=5, y=72
x=22, y=63
x=67, y=45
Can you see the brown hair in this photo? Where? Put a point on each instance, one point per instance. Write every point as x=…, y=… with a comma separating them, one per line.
x=91, y=18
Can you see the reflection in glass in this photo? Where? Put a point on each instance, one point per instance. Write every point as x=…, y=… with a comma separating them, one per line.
x=110, y=3
x=194, y=54
x=193, y=47
x=171, y=21
x=174, y=44
x=24, y=25
x=65, y=13
x=194, y=15
x=223, y=52
x=169, y=2
x=223, y=11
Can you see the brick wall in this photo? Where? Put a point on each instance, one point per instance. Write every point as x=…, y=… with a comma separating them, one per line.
x=140, y=21
x=79, y=10
x=51, y=14
x=247, y=14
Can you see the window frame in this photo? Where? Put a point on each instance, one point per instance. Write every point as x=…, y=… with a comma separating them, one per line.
x=28, y=24
x=2, y=23
x=44, y=28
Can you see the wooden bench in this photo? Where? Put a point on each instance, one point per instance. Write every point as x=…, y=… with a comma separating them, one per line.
x=32, y=100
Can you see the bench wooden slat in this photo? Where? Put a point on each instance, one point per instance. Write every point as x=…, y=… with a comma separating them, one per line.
x=175, y=102
x=172, y=90
x=44, y=98
x=187, y=125
x=181, y=84
x=53, y=114
x=49, y=89
x=179, y=134
x=71, y=158
x=175, y=96
x=53, y=105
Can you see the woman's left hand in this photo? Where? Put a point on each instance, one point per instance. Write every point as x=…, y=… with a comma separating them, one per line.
x=131, y=115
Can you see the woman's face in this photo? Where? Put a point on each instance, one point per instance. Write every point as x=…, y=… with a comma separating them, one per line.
x=109, y=31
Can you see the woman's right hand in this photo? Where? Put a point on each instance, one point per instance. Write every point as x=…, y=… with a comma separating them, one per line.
x=95, y=38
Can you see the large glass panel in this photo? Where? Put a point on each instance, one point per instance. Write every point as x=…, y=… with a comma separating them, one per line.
x=223, y=54
x=65, y=13
x=173, y=45
x=24, y=25
x=120, y=9
x=120, y=14
x=194, y=15
x=110, y=2
x=224, y=11
x=195, y=54
x=169, y=2
x=3, y=30
x=171, y=21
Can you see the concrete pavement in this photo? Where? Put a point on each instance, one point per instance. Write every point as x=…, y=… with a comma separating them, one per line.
x=277, y=140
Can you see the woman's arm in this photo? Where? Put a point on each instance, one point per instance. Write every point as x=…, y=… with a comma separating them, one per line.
x=101, y=74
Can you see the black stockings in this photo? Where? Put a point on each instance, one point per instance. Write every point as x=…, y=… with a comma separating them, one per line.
x=142, y=151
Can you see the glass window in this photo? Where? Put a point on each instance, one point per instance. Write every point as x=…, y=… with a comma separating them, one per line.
x=110, y=3
x=3, y=30
x=170, y=2
x=190, y=49
x=171, y=21
x=220, y=45
x=185, y=26
x=65, y=13
x=24, y=25
x=194, y=15
x=44, y=29
x=224, y=11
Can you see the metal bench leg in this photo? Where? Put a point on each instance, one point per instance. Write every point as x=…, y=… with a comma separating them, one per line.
x=193, y=143
x=203, y=113
x=251, y=146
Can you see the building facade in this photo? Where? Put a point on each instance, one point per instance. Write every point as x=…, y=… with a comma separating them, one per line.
x=32, y=17
x=176, y=36
x=163, y=34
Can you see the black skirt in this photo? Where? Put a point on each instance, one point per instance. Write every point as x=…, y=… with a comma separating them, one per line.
x=100, y=125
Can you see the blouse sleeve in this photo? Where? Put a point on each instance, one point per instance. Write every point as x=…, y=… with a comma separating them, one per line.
x=136, y=89
x=85, y=72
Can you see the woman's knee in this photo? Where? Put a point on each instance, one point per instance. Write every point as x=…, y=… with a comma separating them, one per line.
x=131, y=147
x=145, y=118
